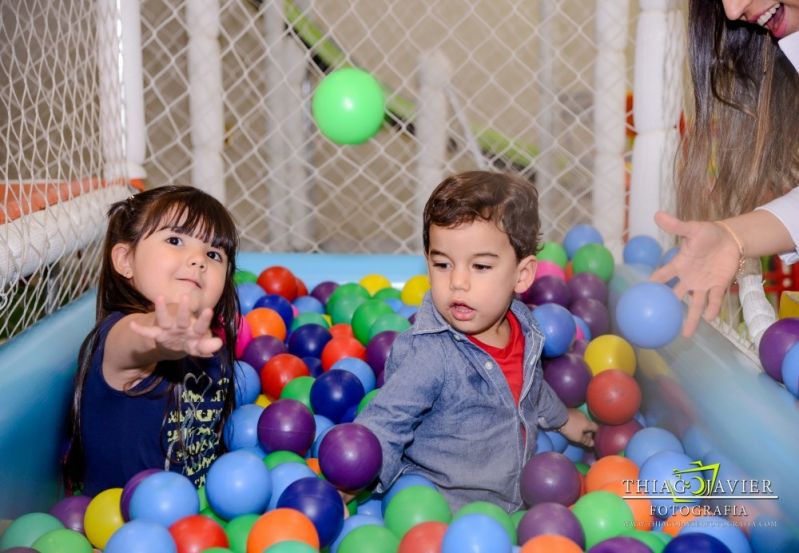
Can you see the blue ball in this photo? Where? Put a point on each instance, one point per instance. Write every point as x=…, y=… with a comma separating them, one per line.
x=309, y=304
x=574, y=453
x=309, y=340
x=648, y=441
x=579, y=321
x=695, y=543
x=319, y=501
x=720, y=528
x=659, y=470
x=334, y=392
x=238, y=483
x=558, y=440
x=404, y=481
x=323, y=425
x=283, y=476
x=249, y=293
x=642, y=250
x=141, y=536
x=649, y=315
x=355, y=521
x=164, y=498
x=790, y=369
x=558, y=327
x=314, y=365
x=578, y=236
x=241, y=428
x=476, y=533
x=359, y=368
x=248, y=383
x=279, y=305
x=543, y=443
x=395, y=304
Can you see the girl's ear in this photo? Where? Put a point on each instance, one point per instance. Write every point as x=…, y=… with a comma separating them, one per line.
x=122, y=258
x=526, y=274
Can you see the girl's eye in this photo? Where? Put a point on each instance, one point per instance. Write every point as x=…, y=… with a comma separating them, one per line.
x=216, y=256
x=174, y=240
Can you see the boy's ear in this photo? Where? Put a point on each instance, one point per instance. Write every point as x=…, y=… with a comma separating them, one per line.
x=122, y=260
x=526, y=274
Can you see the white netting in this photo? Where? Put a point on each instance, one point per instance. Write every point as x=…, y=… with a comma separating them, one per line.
x=52, y=192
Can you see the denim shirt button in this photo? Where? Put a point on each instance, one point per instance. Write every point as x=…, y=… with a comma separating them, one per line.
x=489, y=365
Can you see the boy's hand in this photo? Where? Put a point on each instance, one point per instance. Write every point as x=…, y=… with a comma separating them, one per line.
x=178, y=333
x=579, y=428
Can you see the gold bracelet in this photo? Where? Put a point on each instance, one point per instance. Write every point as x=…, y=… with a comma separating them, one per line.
x=741, y=257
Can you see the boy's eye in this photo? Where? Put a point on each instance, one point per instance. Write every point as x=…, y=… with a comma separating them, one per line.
x=481, y=267
x=440, y=264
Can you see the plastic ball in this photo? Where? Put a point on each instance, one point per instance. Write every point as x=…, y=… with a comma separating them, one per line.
x=283, y=476
x=339, y=347
x=378, y=348
x=649, y=315
x=249, y=293
x=248, y=383
x=557, y=326
x=648, y=441
x=281, y=525
x=266, y=322
x=490, y=510
x=414, y=505
x=278, y=280
x=414, y=290
x=404, y=481
x=610, y=352
x=550, y=518
x=589, y=286
x=334, y=392
x=238, y=529
x=388, y=322
x=308, y=304
x=369, y=539
x=359, y=368
x=104, y=517
x=299, y=389
x=279, y=305
x=238, y=483
x=553, y=252
x=164, y=497
x=426, y=537
x=612, y=439
x=549, y=477
x=241, y=428
x=549, y=268
x=308, y=318
x=775, y=343
x=613, y=396
x=602, y=515
x=594, y=258
x=320, y=502
x=279, y=371
x=578, y=236
x=642, y=250
x=720, y=528
x=323, y=290
x=350, y=456
x=309, y=340
x=365, y=315
x=348, y=106
x=286, y=425
x=261, y=349
x=241, y=276
x=695, y=543
x=594, y=313
x=620, y=544
x=665, y=468
x=609, y=469
x=548, y=289
x=71, y=511
x=550, y=544
x=26, y=529
x=197, y=533
x=374, y=282
x=476, y=533
x=141, y=536
x=568, y=376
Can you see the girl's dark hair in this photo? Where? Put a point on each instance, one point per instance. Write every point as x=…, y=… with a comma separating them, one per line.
x=508, y=200
x=183, y=209
x=740, y=149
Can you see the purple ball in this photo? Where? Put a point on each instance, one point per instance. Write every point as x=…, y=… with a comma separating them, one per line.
x=620, y=544
x=594, y=313
x=548, y=289
x=588, y=285
x=323, y=290
x=612, y=439
x=260, y=350
x=350, y=456
x=568, y=375
x=550, y=518
x=377, y=349
x=286, y=425
x=776, y=341
x=70, y=511
x=130, y=487
x=579, y=347
x=550, y=477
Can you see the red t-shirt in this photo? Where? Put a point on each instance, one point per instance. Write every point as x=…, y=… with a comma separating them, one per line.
x=510, y=357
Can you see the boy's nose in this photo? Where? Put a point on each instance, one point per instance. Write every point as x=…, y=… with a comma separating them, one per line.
x=459, y=280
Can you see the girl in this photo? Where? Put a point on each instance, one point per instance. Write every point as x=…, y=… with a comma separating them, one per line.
x=155, y=382
x=742, y=149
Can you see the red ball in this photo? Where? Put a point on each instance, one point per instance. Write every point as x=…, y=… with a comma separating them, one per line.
x=611, y=439
x=302, y=290
x=426, y=537
x=613, y=396
x=196, y=533
x=339, y=347
x=278, y=280
x=279, y=371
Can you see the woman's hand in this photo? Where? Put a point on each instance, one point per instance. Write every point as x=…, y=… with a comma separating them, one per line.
x=579, y=428
x=177, y=332
x=705, y=265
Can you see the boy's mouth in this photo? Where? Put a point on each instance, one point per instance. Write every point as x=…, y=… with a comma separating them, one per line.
x=461, y=311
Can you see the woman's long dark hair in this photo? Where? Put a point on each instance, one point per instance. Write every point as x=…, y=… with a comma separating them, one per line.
x=186, y=210
x=742, y=147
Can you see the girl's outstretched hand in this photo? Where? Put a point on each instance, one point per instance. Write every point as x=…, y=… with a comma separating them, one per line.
x=178, y=333
x=705, y=265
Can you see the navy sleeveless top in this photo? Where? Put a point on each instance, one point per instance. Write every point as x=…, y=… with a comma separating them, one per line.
x=126, y=432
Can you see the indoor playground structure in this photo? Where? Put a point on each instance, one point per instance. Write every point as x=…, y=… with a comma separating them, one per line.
x=323, y=126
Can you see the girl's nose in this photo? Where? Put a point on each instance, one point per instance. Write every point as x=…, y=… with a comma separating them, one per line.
x=197, y=260
x=735, y=9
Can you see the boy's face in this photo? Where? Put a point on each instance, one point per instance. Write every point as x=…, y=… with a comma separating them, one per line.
x=473, y=275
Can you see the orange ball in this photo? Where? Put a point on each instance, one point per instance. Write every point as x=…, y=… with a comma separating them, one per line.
x=641, y=508
x=613, y=396
x=278, y=280
x=550, y=543
x=609, y=470
x=266, y=322
x=281, y=525
x=313, y=463
x=426, y=537
x=196, y=533
x=340, y=347
x=279, y=371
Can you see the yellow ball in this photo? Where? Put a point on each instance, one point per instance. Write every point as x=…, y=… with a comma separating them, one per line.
x=414, y=290
x=373, y=283
x=103, y=517
x=610, y=352
x=262, y=401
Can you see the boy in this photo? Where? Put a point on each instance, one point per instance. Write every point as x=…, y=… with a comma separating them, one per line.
x=464, y=390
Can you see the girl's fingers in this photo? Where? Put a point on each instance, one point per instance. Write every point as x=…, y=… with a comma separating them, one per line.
x=203, y=322
x=714, y=299
x=664, y=273
x=146, y=331
x=671, y=224
x=695, y=309
x=162, y=317
x=680, y=290
x=208, y=346
x=183, y=317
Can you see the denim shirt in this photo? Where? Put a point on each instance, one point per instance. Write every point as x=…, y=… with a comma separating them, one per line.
x=446, y=412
